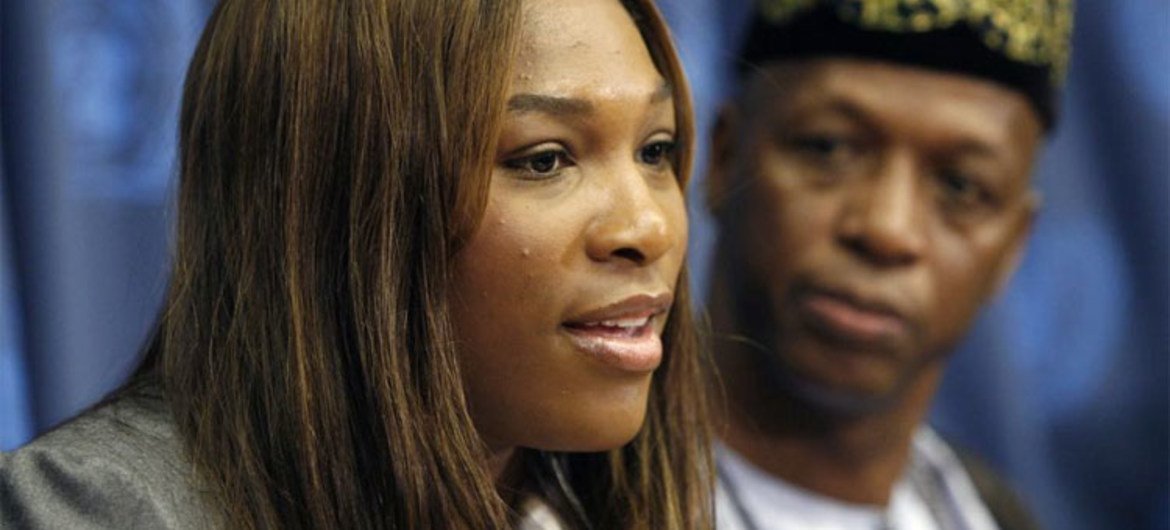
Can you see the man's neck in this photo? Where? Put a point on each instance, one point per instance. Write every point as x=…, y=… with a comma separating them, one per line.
x=855, y=458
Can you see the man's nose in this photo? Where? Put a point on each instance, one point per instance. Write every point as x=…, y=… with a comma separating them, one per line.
x=632, y=225
x=882, y=221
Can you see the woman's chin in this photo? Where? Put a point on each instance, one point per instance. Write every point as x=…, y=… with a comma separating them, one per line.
x=595, y=442
x=611, y=432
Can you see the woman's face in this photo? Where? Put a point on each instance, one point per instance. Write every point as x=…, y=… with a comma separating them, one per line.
x=562, y=294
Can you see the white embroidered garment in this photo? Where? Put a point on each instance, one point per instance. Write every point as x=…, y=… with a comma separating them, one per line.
x=935, y=493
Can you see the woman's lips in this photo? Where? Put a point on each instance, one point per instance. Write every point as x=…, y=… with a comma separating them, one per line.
x=632, y=345
x=852, y=321
x=622, y=335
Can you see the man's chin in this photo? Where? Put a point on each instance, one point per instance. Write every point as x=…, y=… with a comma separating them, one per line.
x=841, y=399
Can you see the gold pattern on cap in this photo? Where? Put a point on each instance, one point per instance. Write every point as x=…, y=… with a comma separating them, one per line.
x=1034, y=32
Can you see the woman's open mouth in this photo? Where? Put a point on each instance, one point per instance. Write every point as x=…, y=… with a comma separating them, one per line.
x=622, y=335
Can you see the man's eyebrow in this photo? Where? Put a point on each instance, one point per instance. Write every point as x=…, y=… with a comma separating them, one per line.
x=568, y=106
x=978, y=148
x=850, y=110
x=965, y=145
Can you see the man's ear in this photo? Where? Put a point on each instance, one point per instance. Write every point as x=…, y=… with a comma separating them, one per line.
x=1010, y=261
x=720, y=170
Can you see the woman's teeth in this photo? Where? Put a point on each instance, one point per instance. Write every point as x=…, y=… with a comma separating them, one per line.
x=625, y=326
x=627, y=323
x=630, y=344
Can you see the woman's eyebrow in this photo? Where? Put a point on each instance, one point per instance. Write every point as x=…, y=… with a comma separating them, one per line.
x=555, y=105
x=569, y=106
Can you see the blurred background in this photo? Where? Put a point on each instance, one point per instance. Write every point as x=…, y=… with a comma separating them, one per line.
x=1062, y=385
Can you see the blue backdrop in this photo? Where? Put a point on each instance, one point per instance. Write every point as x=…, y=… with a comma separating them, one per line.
x=88, y=111
x=1062, y=385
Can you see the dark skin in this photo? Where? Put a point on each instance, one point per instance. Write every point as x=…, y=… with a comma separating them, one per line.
x=867, y=212
x=584, y=224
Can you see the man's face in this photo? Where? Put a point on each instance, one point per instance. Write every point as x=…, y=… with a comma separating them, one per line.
x=868, y=210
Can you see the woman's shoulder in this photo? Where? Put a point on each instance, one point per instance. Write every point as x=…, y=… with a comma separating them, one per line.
x=119, y=465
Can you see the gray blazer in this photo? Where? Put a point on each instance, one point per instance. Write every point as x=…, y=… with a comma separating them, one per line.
x=119, y=465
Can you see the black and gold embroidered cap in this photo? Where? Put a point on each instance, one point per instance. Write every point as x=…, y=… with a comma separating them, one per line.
x=1023, y=44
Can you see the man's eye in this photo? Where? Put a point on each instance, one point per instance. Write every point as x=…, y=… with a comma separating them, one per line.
x=960, y=189
x=656, y=153
x=826, y=147
x=539, y=165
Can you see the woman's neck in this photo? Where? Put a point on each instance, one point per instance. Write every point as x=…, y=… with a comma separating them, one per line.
x=507, y=469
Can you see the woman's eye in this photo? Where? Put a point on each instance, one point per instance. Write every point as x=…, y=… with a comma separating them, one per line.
x=656, y=153
x=539, y=165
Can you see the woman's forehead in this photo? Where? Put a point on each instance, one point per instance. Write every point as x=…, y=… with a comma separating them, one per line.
x=574, y=49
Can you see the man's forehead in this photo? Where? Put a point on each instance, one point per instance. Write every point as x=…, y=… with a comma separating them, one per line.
x=880, y=90
x=849, y=76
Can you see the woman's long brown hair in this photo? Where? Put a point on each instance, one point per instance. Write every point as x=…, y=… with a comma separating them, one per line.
x=334, y=157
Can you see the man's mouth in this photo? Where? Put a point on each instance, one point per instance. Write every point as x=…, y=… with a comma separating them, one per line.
x=847, y=318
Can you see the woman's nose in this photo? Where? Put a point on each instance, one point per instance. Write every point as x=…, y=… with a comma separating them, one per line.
x=633, y=224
